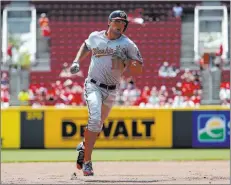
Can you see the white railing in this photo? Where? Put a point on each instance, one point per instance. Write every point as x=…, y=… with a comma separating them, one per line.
x=196, y=34
x=4, y=36
x=224, y=29
x=225, y=34
x=33, y=32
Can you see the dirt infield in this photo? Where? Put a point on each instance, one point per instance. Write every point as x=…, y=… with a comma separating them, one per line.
x=207, y=172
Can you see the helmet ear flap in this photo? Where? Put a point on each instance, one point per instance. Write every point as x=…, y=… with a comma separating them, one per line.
x=125, y=27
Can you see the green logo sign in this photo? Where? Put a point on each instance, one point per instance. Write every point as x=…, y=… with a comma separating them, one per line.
x=211, y=128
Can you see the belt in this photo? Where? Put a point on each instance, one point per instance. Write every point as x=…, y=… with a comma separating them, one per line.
x=108, y=87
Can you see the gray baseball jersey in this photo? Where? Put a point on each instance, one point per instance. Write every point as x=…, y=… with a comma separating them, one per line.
x=107, y=71
x=102, y=68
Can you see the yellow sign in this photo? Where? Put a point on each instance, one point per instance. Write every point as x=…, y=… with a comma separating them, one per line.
x=34, y=115
x=124, y=128
x=10, y=128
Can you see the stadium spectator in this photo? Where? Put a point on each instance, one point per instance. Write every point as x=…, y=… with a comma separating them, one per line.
x=186, y=93
x=177, y=10
x=187, y=102
x=33, y=88
x=153, y=100
x=45, y=28
x=76, y=95
x=224, y=92
x=58, y=85
x=51, y=96
x=120, y=99
x=46, y=32
x=5, y=96
x=44, y=25
x=163, y=71
x=196, y=100
x=177, y=89
x=143, y=98
x=69, y=93
x=163, y=100
x=167, y=70
x=220, y=51
x=130, y=94
x=43, y=20
x=9, y=51
x=4, y=79
x=178, y=100
x=169, y=103
x=24, y=97
x=172, y=71
x=123, y=83
x=163, y=91
x=136, y=16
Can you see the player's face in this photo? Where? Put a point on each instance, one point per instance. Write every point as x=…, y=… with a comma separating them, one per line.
x=117, y=26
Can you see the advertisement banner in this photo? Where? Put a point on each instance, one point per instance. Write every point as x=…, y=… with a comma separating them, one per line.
x=211, y=129
x=32, y=129
x=10, y=129
x=182, y=129
x=124, y=128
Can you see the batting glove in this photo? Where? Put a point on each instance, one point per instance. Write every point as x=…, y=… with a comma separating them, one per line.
x=74, y=68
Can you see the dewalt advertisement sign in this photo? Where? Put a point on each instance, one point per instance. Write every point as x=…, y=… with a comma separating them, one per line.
x=10, y=129
x=124, y=128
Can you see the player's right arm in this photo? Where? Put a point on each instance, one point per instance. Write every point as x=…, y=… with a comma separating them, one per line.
x=84, y=50
x=81, y=54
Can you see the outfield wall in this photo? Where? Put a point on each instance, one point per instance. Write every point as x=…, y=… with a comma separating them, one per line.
x=126, y=127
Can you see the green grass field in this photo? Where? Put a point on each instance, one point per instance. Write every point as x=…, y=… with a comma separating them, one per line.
x=67, y=155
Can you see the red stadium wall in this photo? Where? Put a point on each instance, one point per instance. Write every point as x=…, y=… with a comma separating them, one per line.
x=158, y=42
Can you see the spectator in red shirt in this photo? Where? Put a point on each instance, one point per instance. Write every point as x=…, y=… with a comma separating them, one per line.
x=5, y=96
x=196, y=100
x=46, y=31
x=146, y=92
x=76, y=96
x=9, y=50
x=140, y=100
x=220, y=51
x=58, y=85
x=143, y=97
x=44, y=25
x=45, y=28
x=34, y=87
x=51, y=96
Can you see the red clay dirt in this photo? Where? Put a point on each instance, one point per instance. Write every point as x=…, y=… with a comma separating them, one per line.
x=200, y=172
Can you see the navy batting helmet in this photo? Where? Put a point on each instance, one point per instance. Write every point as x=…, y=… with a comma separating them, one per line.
x=119, y=15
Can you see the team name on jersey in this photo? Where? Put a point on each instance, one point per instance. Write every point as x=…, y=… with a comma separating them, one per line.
x=97, y=52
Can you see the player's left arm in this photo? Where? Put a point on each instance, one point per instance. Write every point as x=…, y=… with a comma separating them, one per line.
x=135, y=67
x=135, y=63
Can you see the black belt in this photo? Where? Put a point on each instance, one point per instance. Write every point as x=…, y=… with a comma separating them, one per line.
x=109, y=87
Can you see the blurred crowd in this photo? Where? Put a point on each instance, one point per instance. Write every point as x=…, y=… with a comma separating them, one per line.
x=167, y=70
x=186, y=93
x=138, y=16
x=5, y=95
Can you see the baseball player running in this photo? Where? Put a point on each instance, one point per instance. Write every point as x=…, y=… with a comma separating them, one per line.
x=113, y=53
